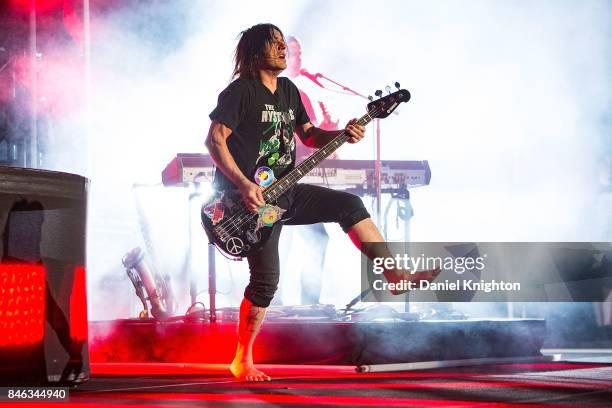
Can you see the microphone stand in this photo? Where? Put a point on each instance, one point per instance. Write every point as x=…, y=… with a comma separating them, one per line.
x=377, y=172
x=377, y=178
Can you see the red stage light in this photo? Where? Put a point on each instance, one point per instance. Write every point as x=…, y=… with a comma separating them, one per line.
x=25, y=6
x=22, y=304
x=78, y=306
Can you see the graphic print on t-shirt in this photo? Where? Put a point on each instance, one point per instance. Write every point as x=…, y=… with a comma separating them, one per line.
x=277, y=144
x=262, y=126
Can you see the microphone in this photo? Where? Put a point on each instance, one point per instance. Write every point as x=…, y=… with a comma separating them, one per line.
x=313, y=77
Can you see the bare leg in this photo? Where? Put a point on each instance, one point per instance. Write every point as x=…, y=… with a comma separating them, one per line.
x=251, y=318
x=366, y=231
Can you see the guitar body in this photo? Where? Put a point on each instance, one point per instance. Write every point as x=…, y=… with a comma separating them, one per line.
x=234, y=230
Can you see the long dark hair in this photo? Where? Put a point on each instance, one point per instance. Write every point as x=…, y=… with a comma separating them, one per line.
x=250, y=49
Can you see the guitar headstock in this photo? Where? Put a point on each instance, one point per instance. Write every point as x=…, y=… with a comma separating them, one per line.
x=385, y=105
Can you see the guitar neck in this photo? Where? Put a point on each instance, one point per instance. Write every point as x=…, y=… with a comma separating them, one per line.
x=291, y=178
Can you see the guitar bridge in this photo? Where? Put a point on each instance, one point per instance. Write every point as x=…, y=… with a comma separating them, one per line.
x=221, y=234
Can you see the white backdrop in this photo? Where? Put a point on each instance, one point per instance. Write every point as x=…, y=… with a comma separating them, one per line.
x=509, y=105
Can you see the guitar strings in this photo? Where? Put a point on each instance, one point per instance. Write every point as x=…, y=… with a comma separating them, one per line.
x=237, y=223
x=241, y=213
x=236, y=220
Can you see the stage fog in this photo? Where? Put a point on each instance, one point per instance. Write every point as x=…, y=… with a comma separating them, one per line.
x=510, y=105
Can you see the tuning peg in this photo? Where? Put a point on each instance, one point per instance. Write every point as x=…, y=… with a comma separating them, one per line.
x=388, y=89
x=397, y=85
x=370, y=97
x=378, y=93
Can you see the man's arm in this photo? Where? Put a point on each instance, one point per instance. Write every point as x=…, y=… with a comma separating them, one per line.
x=216, y=143
x=313, y=136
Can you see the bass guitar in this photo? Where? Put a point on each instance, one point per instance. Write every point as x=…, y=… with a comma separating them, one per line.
x=237, y=232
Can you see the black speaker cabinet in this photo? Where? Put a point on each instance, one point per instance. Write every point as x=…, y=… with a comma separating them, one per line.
x=43, y=303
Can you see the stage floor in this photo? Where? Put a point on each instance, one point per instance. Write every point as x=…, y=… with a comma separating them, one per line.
x=550, y=384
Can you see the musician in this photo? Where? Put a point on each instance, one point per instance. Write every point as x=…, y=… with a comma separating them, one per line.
x=304, y=80
x=252, y=126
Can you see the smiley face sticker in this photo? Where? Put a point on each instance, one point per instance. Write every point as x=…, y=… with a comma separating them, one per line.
x=264, y=176
x=269, y=214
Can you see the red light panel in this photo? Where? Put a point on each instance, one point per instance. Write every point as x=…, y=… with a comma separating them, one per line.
x=78, y=306
x=22, y=304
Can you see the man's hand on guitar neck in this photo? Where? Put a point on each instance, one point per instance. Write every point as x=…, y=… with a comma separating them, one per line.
x=356, y=132
x=252, y=195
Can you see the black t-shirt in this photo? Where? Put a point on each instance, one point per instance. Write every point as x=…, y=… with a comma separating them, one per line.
x=262, y=125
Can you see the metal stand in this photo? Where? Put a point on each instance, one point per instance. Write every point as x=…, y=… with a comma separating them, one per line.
x=212, y=282
x=193, y=284
x=404, y=213
x=33, y=146
x=377, y=173
x=212, y=274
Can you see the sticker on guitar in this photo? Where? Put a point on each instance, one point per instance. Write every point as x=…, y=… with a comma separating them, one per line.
x=215, y=209
x=264, y=177
x=268, y=215
x=234, y=246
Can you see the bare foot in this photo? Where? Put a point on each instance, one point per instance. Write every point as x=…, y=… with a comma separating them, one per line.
x=246, y=371
x=427, y=275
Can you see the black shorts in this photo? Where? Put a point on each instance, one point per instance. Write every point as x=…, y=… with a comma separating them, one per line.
x=307, y=204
